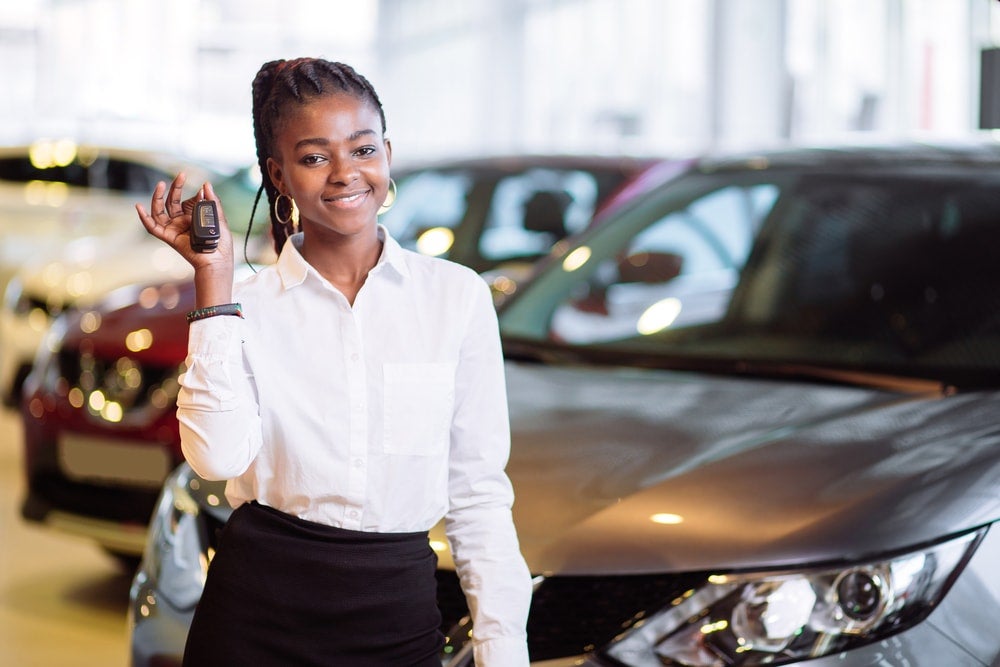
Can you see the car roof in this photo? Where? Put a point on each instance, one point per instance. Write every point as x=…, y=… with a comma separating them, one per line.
x=844, y=157
x=519, y=162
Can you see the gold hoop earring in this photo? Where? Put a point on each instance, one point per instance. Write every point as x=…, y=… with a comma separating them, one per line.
x=390, y=198
x=291, y=217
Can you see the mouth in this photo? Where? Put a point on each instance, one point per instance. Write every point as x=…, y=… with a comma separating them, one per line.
x=348, y=200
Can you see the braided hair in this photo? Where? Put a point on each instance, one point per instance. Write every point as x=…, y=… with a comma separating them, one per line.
x=281, y=83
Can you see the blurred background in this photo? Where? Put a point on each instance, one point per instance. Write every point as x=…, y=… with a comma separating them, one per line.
x=458, y=79
x=637, y=76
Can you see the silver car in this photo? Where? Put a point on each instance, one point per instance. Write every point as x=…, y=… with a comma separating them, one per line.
x=755, y=422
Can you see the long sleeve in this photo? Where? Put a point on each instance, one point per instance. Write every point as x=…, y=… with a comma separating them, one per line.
x=479, y=524
x=216, y=406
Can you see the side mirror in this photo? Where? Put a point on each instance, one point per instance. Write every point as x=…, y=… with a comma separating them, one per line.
x=650, y=267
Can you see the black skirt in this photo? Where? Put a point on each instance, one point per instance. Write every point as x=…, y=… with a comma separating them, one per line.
x=289, y=592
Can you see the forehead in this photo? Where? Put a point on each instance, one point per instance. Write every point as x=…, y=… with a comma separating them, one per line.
x=335, y=117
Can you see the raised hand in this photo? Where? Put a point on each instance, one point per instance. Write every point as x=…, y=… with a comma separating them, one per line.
x=169, y=219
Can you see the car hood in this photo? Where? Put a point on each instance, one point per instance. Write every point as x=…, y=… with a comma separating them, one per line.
x=748, y=473
x=51, y=216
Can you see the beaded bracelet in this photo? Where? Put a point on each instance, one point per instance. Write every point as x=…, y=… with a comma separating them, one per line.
x=212, y=311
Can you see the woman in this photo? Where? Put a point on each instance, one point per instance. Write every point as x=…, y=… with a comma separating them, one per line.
x=353, y=395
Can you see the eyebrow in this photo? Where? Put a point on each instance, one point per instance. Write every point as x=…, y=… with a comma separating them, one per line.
x=322, y=141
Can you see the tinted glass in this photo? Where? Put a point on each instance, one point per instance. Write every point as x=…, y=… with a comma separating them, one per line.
x=490, y=217
x=426, y=203
x=531, y=211
x=102, y=173
x=672, y=259
x=882, y=272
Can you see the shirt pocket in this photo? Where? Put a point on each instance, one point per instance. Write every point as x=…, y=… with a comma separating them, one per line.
x=417, y=409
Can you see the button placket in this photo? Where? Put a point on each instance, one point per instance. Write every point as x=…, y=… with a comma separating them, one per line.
x=358, y=443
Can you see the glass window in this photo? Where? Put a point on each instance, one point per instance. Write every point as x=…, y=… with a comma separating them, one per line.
x=101, y=173
x=533, y=210
x=884, y=272
x=674, y=268
x=429, y=206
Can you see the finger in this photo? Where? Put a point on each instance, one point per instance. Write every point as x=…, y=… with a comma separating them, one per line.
x=188, y=205
x=174, y=196
x=157, y=205
x=209, y=193
x=147, y=220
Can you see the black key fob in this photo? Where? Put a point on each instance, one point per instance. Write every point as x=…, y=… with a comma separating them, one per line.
x=205, y=226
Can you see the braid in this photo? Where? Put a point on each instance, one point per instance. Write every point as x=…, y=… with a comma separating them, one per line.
x=280, y=83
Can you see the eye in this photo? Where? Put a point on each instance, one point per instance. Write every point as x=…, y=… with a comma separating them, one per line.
x=312, y=159
x=365, y=151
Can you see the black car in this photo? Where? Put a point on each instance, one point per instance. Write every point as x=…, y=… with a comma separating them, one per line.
x=754, y=419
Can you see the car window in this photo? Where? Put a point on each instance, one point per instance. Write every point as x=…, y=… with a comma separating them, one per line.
x=126, y=176
x=101, y=172
x=531, y=211
x=893, y=270
x=429, y=205
x=886, y=271
x=677, y=268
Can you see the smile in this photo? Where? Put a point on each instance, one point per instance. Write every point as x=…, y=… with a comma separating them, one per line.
x=347, y=201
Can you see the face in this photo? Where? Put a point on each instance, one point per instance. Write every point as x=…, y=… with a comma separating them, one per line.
x=331, y=158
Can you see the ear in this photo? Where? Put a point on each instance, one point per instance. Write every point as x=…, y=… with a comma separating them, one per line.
x=388, y=151
x=274, y=171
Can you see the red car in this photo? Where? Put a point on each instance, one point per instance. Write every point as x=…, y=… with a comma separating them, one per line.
x=100, y=431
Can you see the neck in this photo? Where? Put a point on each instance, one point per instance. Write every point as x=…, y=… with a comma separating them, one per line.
x=344, y=260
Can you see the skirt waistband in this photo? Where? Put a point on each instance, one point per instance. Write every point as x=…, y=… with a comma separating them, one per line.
x=270, y=518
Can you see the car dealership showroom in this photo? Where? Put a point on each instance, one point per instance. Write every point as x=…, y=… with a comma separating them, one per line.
x=710, y=378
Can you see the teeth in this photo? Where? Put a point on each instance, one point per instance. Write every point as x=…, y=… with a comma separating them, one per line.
x=349, y=198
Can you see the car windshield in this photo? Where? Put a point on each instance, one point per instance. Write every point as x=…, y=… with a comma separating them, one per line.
x=885, y=271
x=86, y=170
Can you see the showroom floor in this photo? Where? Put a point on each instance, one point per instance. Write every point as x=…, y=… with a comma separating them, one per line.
x=62, y=601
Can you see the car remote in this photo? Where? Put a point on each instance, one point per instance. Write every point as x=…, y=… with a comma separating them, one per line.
x=205, y=226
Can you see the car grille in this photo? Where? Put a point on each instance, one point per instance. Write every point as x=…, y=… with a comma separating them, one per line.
x=51, y=490
x=573, y=615
x=118, y=390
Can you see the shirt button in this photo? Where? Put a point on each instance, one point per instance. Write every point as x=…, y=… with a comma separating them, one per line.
x=358, y=463
x=353, y=514
x=355, y=356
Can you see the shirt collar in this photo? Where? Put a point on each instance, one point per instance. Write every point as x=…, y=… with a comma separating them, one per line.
x=392, y=253
x=293, y=268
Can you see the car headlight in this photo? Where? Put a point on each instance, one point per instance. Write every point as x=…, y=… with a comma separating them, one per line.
x=772, y=618
x=176, y=556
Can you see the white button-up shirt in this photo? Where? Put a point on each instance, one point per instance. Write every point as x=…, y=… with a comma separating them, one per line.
x=386, y=416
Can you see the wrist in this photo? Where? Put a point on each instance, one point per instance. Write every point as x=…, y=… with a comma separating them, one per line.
x=213, y=286
x=213, y=311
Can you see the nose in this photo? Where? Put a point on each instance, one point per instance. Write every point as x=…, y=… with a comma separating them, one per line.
x=342, y=171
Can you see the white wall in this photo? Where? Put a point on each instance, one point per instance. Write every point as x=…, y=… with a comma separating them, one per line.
x=469, y=76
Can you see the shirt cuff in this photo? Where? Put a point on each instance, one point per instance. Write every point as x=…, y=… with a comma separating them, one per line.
x=502, y=652
x=214, y=353
x=211, y=338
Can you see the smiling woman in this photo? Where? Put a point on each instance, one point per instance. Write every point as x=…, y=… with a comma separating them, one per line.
x=353, y=398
